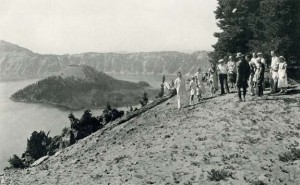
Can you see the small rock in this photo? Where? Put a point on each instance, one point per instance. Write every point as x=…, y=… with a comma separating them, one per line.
x=40, y=160
x=167, y=136
x=262, y=178
x=57, y=153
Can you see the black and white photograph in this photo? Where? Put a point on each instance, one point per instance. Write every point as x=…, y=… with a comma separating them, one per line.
x=140, y=92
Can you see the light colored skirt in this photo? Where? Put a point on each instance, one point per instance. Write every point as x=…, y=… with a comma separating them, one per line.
x=282, y=81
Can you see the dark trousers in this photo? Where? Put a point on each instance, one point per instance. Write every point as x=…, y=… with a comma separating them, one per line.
x=259, y=90
x=223, y=81
x=240, y=93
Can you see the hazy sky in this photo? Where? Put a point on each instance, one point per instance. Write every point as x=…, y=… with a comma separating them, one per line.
x=76, y=26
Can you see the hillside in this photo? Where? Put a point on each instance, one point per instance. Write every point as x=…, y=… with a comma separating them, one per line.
x=81, y=86
x=20, y=63
x=251, y=141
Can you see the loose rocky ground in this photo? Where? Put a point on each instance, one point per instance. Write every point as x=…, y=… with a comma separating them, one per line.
x=166, y=146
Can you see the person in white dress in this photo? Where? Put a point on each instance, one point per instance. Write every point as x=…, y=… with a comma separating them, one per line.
x=198, y=93
x=180, y=86
x=251, y=80
x=282, y=75
x=198, y=77
x=231, y=71
x=274, y=72
x=213, y=79
x=192, y=88
x=253, y=59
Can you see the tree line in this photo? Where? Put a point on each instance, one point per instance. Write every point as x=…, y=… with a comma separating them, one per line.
x=258, y=26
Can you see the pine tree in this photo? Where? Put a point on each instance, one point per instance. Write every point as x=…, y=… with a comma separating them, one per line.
x=162, y=87
x=145, y=98
x=37, y=144
x=108, y=107
x=258, y=25
x=172, y=83
x=16, y=162
x=74, y=121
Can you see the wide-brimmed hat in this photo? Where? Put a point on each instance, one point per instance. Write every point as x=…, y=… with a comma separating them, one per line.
x=281, y=57
x=239, y=55
x=259, y=53
x=221, y=60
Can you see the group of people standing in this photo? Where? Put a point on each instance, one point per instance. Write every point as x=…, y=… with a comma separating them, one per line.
x=190, y=90
x=241, y=73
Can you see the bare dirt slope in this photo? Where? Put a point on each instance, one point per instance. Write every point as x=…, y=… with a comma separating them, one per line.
x=163, y=146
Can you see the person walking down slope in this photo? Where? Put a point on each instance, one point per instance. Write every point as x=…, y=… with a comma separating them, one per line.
x=282, y=75
x=243, y=73
x=259, y=77
x=223, y=70
x=213, y=79
x=231, y=71
x=180, y=86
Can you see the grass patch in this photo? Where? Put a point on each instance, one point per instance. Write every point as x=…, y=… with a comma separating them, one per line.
x=292, y=155
x=218, y=175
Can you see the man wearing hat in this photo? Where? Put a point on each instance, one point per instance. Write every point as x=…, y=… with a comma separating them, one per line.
x=222, y=71
x=243, y=73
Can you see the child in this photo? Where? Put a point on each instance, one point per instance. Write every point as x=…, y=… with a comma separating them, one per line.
x=192, y=87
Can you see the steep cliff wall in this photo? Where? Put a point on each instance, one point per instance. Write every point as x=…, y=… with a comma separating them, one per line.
x=20, y=63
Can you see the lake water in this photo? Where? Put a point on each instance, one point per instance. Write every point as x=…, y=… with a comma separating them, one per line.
x=19, y=120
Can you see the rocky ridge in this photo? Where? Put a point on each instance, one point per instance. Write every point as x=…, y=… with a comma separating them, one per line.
x=20, y=63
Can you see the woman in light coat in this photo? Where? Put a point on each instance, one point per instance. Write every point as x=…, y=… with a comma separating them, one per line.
x=192, y=88
x=198, y=76
x=213, y=79
x=282, y=76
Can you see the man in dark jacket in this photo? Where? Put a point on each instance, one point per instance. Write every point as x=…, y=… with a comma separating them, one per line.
x=243, y=73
